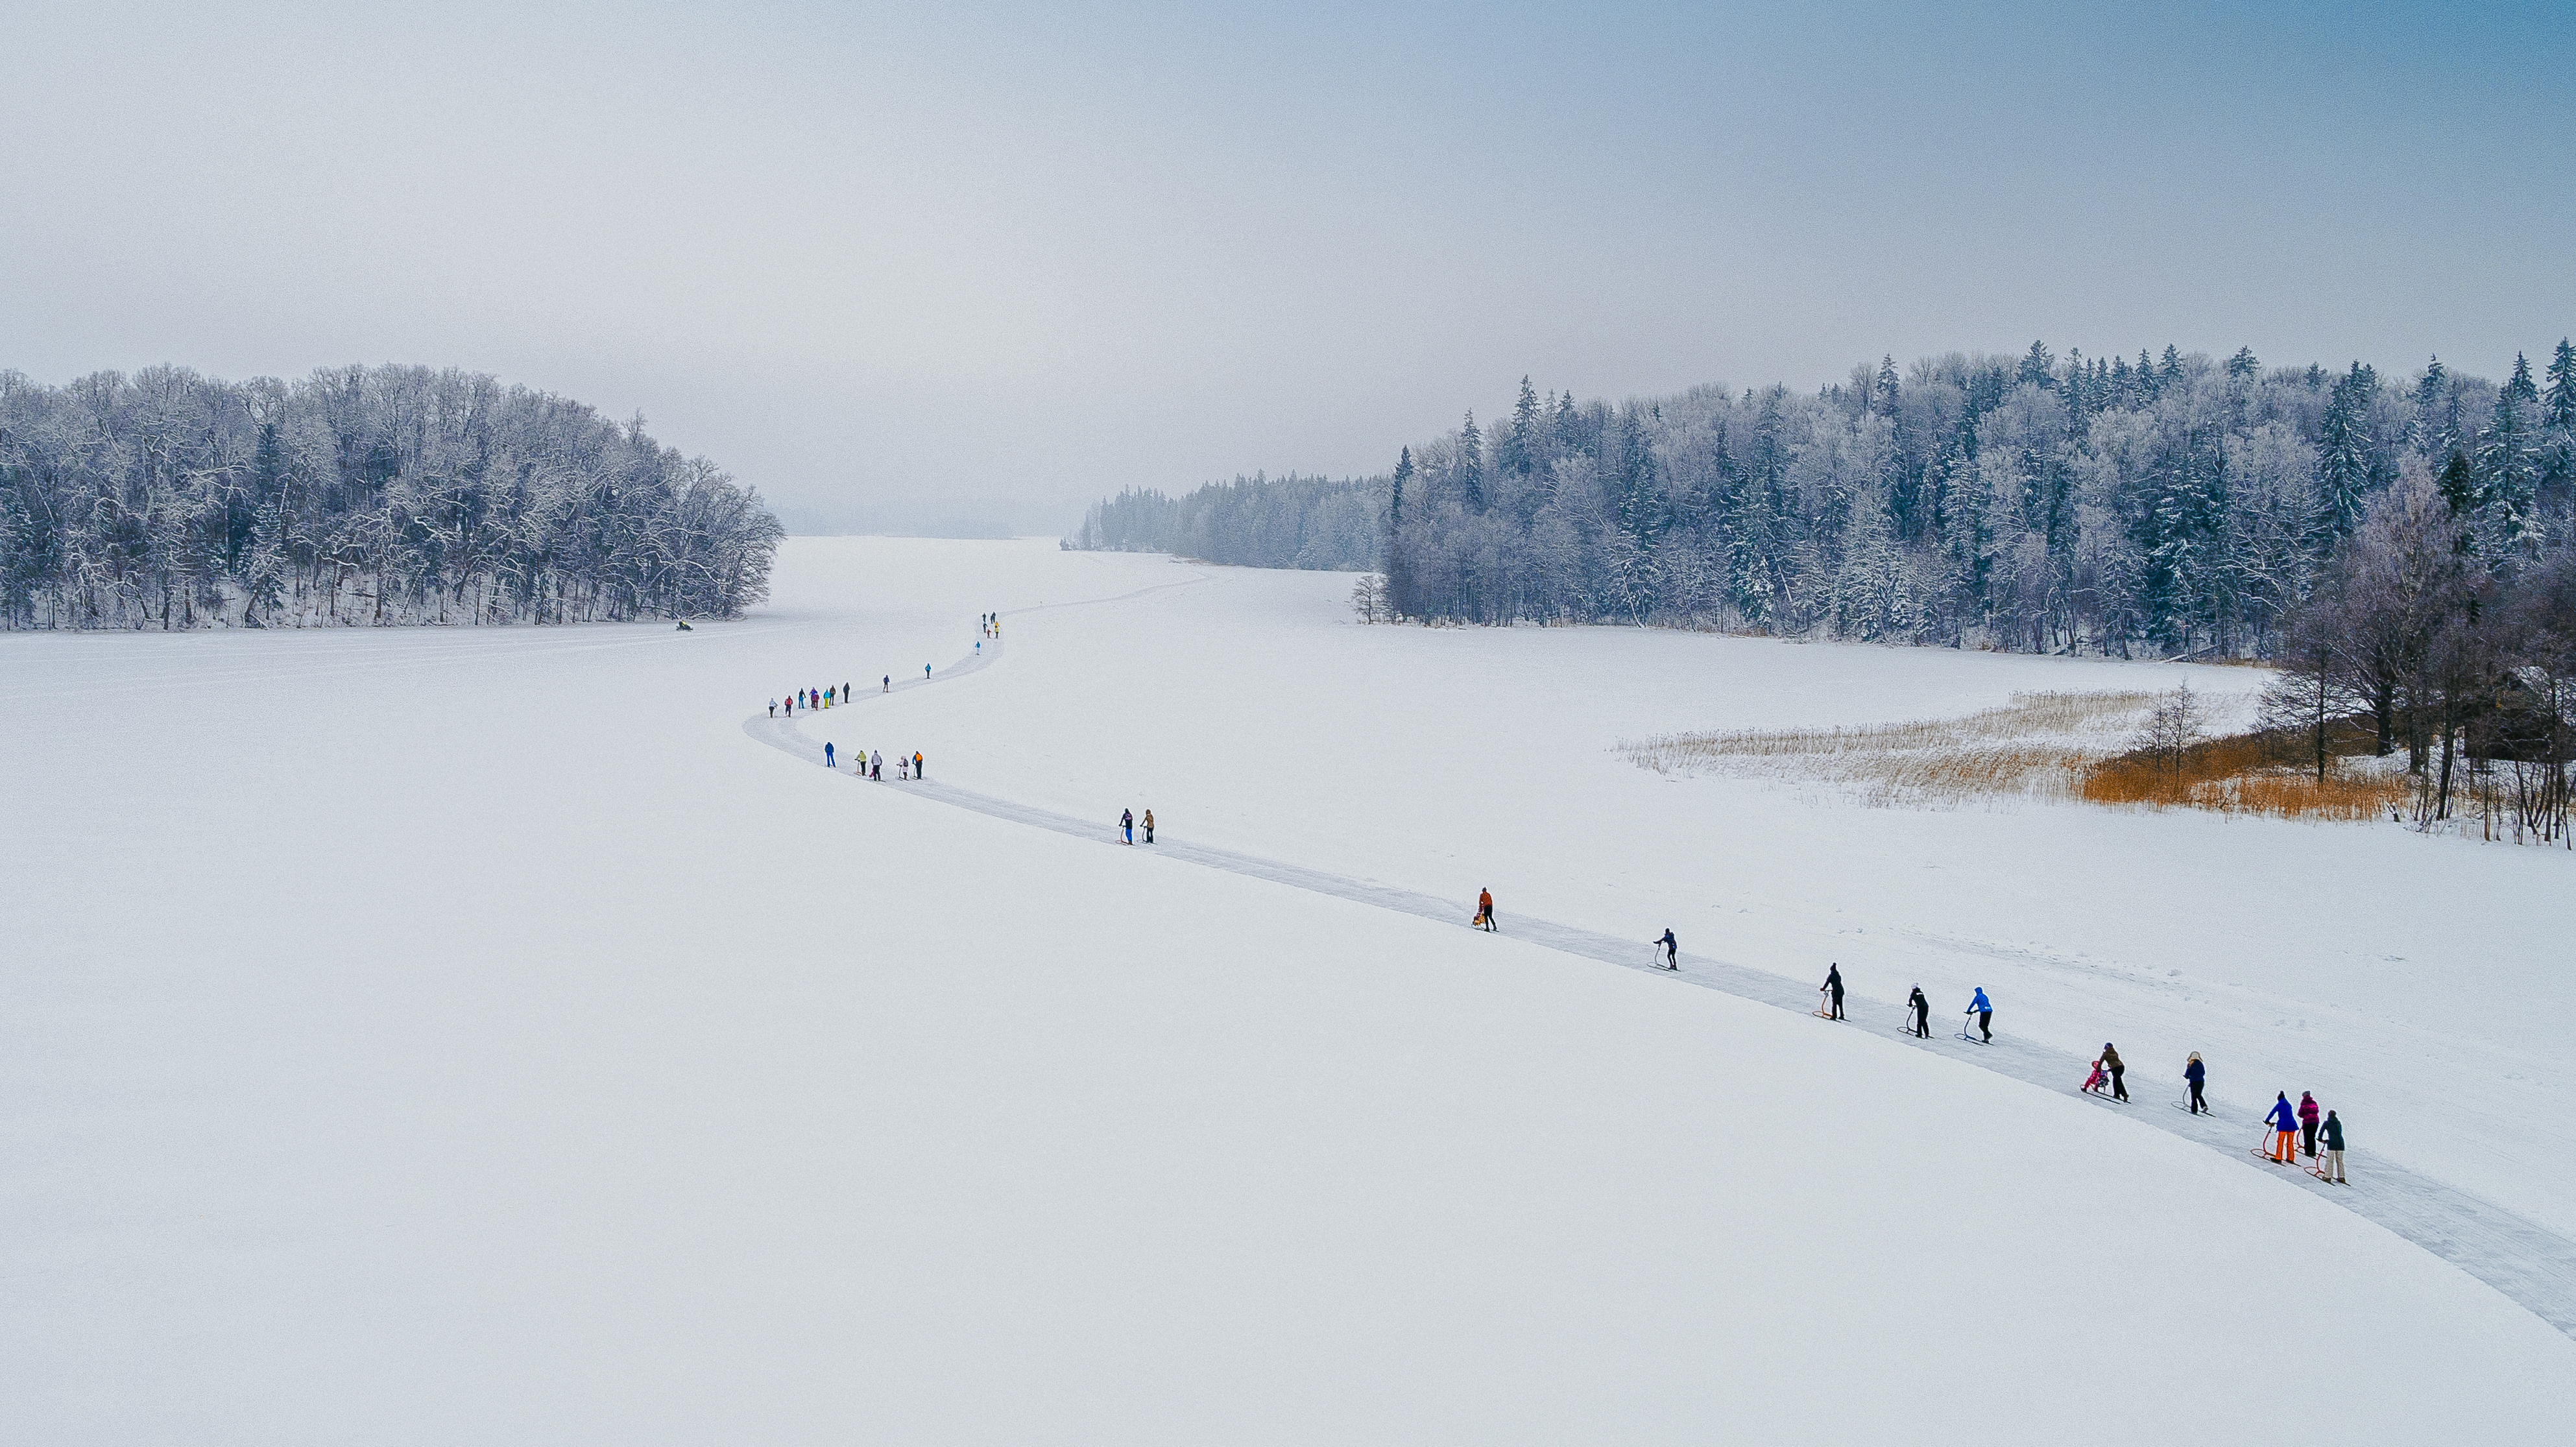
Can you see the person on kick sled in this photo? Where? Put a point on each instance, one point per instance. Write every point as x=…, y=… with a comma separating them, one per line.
x=1484, y=919
x=1984, y=1010
x=1833, y=988
x=2308, y=1124
x=1149, y=826
x=1127, y=825
x=1922, y=1008
x=2194, y=1074
x=1672, y=951
x=2332, y=1169
x=2285, y=1129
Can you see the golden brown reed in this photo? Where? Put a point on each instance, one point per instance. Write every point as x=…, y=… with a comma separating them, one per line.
x=2044, y=745
x=2254, y=773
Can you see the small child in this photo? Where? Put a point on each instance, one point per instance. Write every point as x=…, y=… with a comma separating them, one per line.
x=2093, y=1083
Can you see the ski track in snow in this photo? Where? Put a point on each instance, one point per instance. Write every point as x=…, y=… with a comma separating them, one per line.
x=2530, y=1264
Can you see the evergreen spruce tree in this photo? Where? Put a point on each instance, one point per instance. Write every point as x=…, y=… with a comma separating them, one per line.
x=1883, y=392
x=2436, y=425
x=1520, y=450
x=2037, y=367
x=2459, y=484
x=2519, y=386
x=1397, y=565
x=2243, y=367
x=2343, y=457
x=2508, y=471
x=1471, y=465
x=2562, y=386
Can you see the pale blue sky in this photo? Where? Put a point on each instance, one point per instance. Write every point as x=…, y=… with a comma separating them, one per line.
x=1009, y=257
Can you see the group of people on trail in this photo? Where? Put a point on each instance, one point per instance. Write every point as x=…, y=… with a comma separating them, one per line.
x=992, y=626
x=2295, y=1131
x=812, y=698
x=1127, y=825
x=872, y=765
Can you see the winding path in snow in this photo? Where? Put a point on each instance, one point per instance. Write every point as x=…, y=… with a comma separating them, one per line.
x=2530, y=1264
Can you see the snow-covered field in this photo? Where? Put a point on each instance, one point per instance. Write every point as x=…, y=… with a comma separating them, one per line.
x=438, y=1036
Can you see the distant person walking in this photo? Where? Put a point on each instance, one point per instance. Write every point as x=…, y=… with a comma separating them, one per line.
x=1127, y=825
x=889, y=684
x=925, y=670
x=773, y=708
x=1672, y=951
x=1921, y=1005
x=2308, y=1123
x=847, y=693
x=918, y=772
x=2333, y=1169
x=2285, y=1129
x=1149, y=826
x=876, y=766
x=2111, y=1062
x=2194, y=1074
x=1832, y=989
x=1984, y=1010
x=827, y=757
x=1485, y=911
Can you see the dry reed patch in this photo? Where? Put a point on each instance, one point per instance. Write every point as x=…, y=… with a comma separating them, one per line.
x=2039, y=744
x=2255, y=773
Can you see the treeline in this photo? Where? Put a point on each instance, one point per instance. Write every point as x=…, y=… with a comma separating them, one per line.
x=2173, y=506
x=1257, y=522
x=383, y=495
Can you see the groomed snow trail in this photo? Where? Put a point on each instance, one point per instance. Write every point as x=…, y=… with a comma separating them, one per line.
x=2529, y=1264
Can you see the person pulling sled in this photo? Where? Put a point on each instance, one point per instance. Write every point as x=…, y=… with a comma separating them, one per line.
x=2285, y=1130
x=1484, y=919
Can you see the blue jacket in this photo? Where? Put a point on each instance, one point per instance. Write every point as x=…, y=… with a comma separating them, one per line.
x=2194, y=1073
x=1979, y=1003
x=2282, y=1117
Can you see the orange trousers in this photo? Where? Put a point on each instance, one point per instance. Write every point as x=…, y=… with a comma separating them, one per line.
x=2285, y=1146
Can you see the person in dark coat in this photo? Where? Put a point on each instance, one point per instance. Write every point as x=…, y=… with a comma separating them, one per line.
x=2111, y=1062
x=1672, y=951
x=1833, y=986
x=2193, y=1074
x=2333, y=1169
x=1922, y=1008
x=1127, y=824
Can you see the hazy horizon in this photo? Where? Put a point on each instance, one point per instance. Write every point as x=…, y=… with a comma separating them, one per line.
x=992, y=263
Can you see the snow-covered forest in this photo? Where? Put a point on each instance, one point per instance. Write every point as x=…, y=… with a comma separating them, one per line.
x=359, y=495
x=2172, y=505
x=1258, y=522
x=2175, y=504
